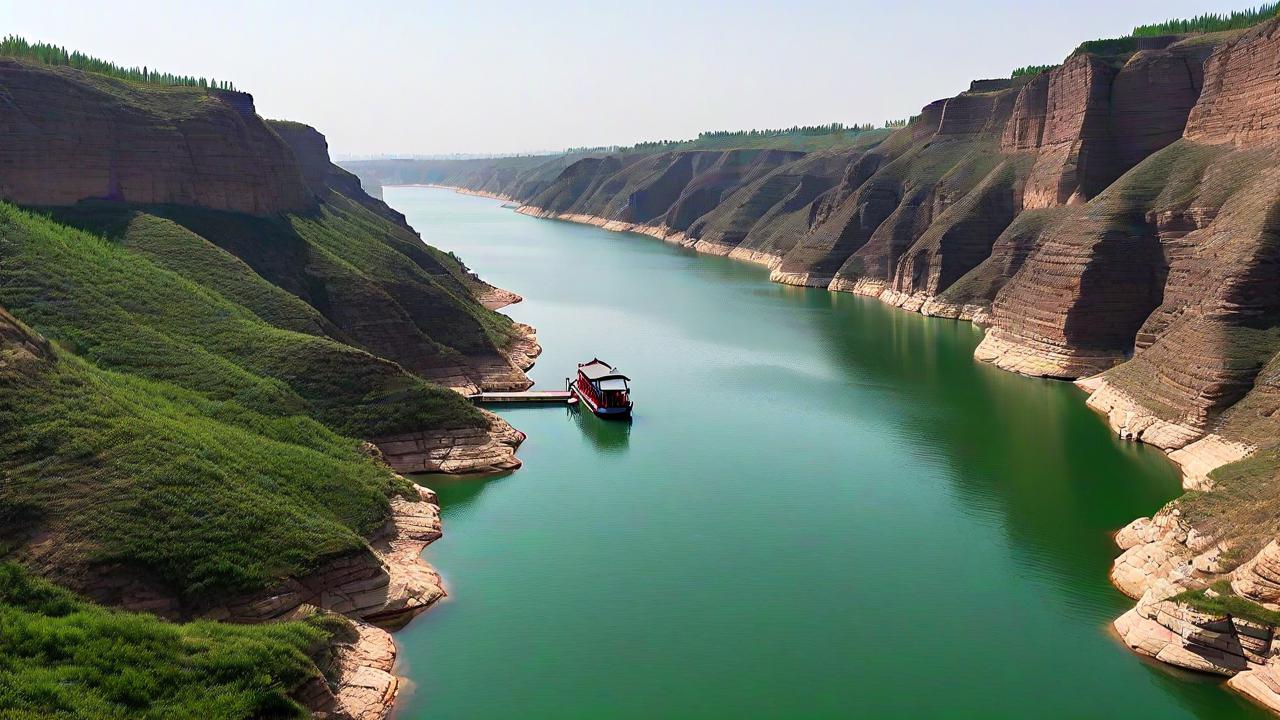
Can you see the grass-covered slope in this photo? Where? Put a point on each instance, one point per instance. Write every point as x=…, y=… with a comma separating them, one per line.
x=61, y=657
x=109, y=473
x=120, y=309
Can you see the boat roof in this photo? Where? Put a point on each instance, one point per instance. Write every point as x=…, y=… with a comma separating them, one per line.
x=598, y=369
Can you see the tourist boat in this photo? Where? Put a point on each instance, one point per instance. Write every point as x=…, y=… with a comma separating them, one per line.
x=603, y=389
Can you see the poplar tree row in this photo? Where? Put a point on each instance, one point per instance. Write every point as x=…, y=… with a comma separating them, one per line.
x=1210, y=22
x=46, y=54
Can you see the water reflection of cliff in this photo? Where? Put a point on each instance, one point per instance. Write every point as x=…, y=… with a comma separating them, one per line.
x=1026, y=447
x=609, y=436
x=1024, y=451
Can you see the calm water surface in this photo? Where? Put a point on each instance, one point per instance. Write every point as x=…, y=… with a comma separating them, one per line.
x=824, y=508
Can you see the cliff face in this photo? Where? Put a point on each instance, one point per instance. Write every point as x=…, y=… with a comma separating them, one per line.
x=71, y=136
x=1239, y=104
x=1114, y=219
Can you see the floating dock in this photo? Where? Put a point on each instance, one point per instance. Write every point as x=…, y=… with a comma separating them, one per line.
x=527, y=396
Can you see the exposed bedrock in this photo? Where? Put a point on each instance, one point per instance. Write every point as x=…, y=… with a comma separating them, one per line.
x=19, y=346
x=1240, y=103
x=72, y=136
x=976, y=113
x=1224, y=628
x=403, y=301
x=760, y=220
x=464, y=451
x=1259, y=578
x=1151, y=97
x=1025, y=128
x=1075, y=156
x=364, y=686
x=577, y=182
x=311, y=149
x=1166, y=267
x=1089, y=121
x=1077, y=302
x=960, y=238
x=1177, y=634
x=841, y=229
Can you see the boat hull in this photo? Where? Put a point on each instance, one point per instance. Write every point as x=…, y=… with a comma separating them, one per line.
x=608, y=413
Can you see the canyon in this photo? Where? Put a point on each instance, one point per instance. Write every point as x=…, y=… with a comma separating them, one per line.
x=220, y=355
x=1111, y=220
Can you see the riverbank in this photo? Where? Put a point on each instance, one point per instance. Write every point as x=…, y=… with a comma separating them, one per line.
x=367, y=688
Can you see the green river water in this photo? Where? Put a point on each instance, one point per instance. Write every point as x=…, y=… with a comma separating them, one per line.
x=823, y=508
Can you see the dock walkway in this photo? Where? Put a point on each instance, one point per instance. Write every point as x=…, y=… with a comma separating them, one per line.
x=527, y=396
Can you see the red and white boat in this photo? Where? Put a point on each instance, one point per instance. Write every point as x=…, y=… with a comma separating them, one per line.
x=602, y=388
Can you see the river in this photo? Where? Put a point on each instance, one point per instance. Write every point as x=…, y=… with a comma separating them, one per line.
x=823, y=508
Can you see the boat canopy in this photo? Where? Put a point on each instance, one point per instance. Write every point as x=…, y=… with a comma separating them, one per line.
x=598, y=369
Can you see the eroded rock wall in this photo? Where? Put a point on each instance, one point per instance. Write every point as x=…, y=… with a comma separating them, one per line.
x=72, y=136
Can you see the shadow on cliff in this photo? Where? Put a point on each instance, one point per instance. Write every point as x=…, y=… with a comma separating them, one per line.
x=375, y=284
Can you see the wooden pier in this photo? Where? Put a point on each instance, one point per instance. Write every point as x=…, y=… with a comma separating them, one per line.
x=528, y=396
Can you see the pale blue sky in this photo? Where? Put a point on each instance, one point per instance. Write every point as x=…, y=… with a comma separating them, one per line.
x=499, y=76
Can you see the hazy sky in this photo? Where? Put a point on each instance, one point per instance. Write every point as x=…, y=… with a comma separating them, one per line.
x=498, y=76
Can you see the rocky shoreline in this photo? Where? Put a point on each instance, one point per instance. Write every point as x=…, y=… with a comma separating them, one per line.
x=367, y=687
x=379, y=590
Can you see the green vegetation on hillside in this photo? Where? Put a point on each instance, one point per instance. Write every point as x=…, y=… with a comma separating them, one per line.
x=122, y=311
x=210, y=499
x=1224, y=601
x=66, y=658
x=1210, y=22
x=798, y=137
x=184, y=393
x=419, y=276
x=1030, y=70
x=46, y=54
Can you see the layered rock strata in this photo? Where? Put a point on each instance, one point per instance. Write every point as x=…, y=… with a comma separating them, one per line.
x=475, y=450
x=364, y=686
x=71, y=136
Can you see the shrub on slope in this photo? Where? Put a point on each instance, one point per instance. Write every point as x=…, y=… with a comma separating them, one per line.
x=206, y=497
x=63, y=657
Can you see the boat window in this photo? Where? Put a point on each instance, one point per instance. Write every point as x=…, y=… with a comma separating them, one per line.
x=613, y=384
